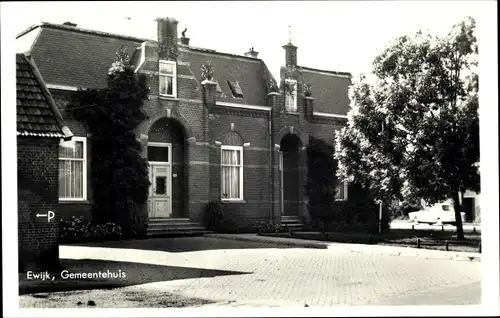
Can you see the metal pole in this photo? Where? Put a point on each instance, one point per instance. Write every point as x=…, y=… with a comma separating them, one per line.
x=380, y=217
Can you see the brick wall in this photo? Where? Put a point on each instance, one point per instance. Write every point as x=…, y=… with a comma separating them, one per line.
x=202, y=125
x=67, y=209
x=253, y=128
x=37, y=167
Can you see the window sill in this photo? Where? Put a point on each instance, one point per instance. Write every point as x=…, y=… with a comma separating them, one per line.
x=166, y=97
x=74, y=201
x=293, y=113
x=233, y=201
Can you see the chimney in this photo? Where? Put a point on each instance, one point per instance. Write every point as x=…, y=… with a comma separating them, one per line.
x=290, y=55
x=252, y=53
x=70, y=24
x=167, y=38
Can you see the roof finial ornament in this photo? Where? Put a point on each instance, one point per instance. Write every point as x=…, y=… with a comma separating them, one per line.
x=184, y=33
x=290, y=34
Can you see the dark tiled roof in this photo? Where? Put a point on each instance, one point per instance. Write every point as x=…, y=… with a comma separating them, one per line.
x=329, y=89
x=249, y=73
x=35, y=115
x=76, y=57
x=66, y=56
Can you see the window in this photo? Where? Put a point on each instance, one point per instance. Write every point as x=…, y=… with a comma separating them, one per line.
x=291, y=95
x=168, y=78
x=159, y=152
x=235, y=89
x=73, y=169
x=341, y=191
x=232, y=172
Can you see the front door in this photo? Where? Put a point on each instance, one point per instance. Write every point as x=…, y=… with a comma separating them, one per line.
x=160, y=198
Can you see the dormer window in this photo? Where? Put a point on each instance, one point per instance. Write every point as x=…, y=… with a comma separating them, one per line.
x=291, y=95
x=168, y=78
x=235, y=89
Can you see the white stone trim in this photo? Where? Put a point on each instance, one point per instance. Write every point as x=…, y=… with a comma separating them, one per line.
x=244, y=106
x=329, y=115
x=326, y=73
x=62, y=87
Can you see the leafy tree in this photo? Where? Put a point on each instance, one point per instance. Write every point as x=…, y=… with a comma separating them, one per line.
x=414, y=132
x=119, y=177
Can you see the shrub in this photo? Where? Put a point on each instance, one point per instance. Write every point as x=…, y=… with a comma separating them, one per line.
x=400, y=210
x=321, y=186
x=269, y=227
x=358, y=214
x=214, y=216
x=76, y=229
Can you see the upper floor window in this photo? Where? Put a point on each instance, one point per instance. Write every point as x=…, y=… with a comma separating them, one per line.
x=291, y=95
x=168, y=78
x=73, y=169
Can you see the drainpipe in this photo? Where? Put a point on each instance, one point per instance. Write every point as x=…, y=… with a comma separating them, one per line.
x=271, y=179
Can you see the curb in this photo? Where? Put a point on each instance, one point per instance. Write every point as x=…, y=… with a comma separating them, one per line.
x=271, y=240
x=354, y=248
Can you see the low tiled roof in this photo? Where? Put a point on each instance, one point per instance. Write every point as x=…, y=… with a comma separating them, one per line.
x=329, y=89
x=36, y=113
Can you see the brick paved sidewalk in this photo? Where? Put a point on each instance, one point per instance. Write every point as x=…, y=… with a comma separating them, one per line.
x=267, y=275
x=355, y=248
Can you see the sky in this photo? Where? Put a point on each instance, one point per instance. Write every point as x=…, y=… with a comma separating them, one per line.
x=330, y=35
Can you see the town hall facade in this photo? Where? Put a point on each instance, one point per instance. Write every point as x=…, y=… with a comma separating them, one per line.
x=219, y=126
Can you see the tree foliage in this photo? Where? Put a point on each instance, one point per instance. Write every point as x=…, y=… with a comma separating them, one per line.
x=119, y=177
x=414, y=132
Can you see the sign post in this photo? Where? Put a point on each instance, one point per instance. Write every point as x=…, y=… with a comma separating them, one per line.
x=380, y=217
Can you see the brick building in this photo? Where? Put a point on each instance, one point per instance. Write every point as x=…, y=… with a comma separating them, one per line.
x=40, y=128
x=219, y=125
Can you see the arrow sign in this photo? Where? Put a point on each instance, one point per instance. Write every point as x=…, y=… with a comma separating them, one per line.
x=50, y=215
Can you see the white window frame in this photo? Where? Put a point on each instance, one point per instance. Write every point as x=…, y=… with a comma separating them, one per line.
x=291, y=81
x=174, y=78
x=346, y=187
x=161, y=145
x=240, y=149
x=84, y=174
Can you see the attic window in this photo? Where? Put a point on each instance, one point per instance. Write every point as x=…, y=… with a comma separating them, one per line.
x=235, y=89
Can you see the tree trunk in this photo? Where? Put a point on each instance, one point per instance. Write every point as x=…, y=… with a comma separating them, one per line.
x=458, y=217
